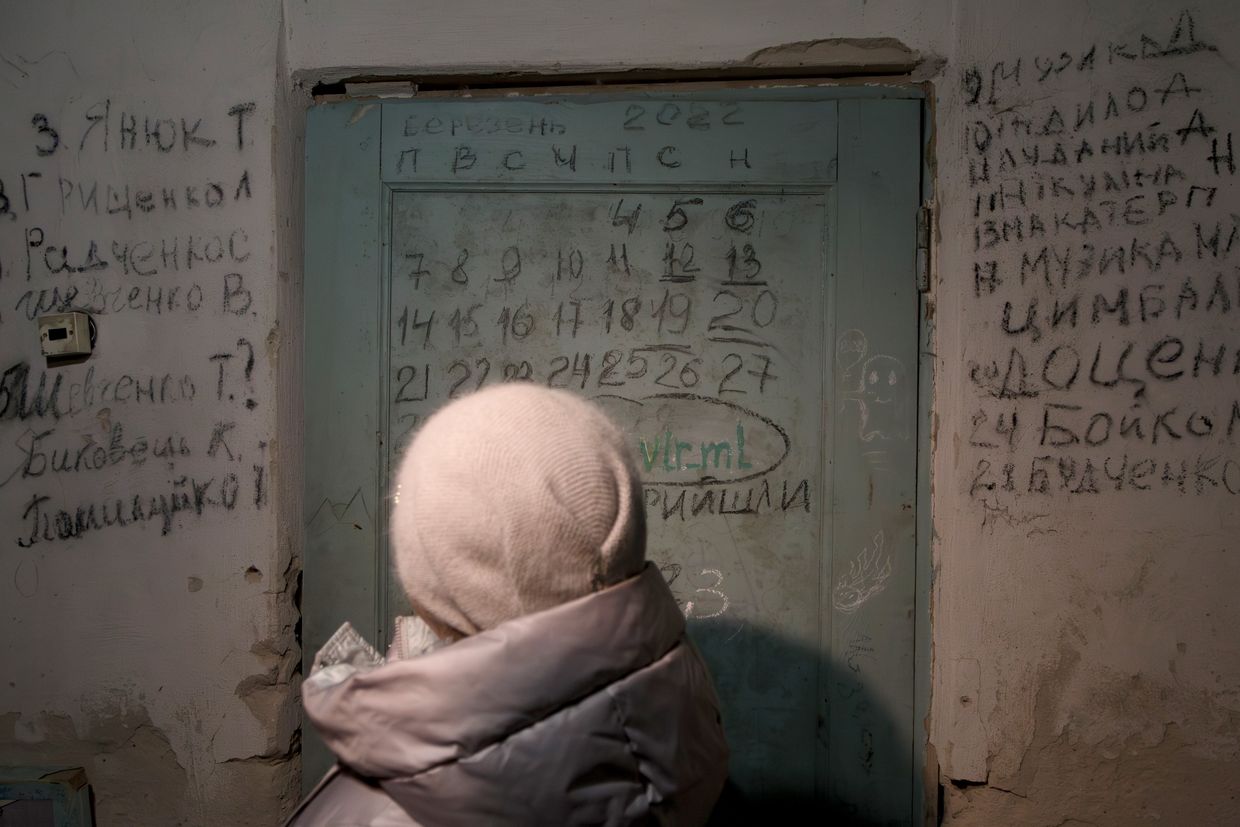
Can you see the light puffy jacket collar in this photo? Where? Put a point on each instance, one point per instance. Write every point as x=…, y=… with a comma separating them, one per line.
x=406, y=717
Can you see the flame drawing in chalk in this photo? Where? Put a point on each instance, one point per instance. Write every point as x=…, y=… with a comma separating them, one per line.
x=866, y=577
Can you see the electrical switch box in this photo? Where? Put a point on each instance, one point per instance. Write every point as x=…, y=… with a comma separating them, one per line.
x=66, y=335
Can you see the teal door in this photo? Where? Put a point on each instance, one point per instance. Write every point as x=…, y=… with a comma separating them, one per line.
x=732, y=276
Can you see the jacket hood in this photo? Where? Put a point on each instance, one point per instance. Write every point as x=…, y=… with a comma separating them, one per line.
x=406, y=717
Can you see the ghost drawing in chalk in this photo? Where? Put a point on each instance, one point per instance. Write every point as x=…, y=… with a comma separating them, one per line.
x=884, y=395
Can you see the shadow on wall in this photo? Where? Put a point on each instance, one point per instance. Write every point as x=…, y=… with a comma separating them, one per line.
x=768, y=685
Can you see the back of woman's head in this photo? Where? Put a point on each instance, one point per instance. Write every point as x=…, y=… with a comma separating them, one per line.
x=512, y=500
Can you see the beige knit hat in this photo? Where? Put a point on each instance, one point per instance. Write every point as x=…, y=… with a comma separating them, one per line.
x=512, y=500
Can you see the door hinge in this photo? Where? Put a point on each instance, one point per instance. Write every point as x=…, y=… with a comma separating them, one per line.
x=924, y=219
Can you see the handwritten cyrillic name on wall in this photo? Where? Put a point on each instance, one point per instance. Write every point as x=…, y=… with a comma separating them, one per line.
x=139, y=218
x=1105, y=247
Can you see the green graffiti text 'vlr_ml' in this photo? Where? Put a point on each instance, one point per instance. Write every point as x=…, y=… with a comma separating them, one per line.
x=668, y=453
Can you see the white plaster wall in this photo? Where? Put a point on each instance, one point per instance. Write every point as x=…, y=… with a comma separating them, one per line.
x=1083, y=664
x=334, y=38
x=156, y=654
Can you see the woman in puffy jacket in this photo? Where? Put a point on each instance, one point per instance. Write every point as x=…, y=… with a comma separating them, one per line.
x=558, y=687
